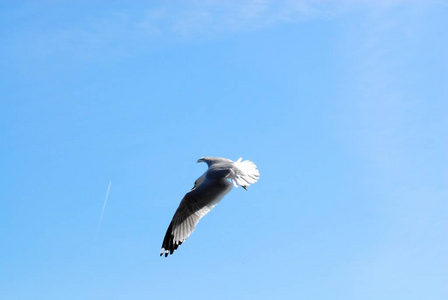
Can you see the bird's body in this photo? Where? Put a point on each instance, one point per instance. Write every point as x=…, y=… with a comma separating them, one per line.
x=207, y=191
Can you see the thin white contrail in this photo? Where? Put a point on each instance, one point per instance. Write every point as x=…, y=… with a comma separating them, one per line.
x=104, y=207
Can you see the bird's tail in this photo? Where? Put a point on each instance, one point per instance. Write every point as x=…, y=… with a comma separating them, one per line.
x=245, y=173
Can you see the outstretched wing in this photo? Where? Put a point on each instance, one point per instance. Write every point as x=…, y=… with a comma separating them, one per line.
x=195, y=204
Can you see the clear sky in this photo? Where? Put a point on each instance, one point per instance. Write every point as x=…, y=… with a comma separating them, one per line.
x=343, y=105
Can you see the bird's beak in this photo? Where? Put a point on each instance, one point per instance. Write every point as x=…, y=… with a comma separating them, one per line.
x=244, y=187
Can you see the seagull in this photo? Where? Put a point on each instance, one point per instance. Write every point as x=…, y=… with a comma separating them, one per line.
x=207, y=191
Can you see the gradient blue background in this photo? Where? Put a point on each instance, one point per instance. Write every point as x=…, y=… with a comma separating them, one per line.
x=342, y=105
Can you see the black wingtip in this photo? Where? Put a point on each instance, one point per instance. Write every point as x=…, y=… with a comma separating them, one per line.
x=168, y=245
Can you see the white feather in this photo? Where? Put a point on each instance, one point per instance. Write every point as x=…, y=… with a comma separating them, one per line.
x=245, y=173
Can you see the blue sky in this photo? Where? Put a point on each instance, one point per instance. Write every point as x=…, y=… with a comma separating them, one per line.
x=342, y=105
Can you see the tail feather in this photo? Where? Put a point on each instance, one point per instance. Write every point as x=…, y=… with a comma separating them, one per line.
x=245, y=173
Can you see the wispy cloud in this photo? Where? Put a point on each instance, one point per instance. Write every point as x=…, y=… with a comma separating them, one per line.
x=129, y=29
x=104, y=208
x=215, y=17
x=142, y=27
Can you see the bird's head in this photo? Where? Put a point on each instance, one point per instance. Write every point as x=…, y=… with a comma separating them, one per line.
x=208, y=160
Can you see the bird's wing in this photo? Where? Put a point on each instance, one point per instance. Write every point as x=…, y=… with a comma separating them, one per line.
x=195, y=204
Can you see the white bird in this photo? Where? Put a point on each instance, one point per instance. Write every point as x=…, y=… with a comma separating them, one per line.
x=207, y=191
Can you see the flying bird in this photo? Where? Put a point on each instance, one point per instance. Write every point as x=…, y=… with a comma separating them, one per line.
x=207, y=191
